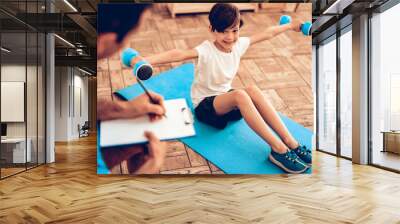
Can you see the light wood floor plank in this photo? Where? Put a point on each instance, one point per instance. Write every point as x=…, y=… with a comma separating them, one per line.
x=69, y=191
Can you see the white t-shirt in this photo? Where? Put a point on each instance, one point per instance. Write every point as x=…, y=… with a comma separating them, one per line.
x=215, y=69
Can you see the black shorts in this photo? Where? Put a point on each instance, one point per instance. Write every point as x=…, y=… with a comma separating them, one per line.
x=205, y=112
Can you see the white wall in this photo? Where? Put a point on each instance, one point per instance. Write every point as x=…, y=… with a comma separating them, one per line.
x=69, y=82
x=12, y=73
x=62, y=81
x=34, y=124
x=12, y=101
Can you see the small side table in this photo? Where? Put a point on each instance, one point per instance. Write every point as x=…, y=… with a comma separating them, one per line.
x=391, y=141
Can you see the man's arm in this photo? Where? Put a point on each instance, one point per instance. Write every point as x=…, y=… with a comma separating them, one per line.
x=273, y=31
x=156, y=157
x=109, y=110
x=174, y=55
x=141, y=105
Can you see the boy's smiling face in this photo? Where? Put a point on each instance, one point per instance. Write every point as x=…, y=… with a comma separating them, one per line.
x=224, y=41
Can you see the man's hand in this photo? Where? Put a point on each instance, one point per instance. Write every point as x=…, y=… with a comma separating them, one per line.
x=143, y=105
x=138, y=162
x=157, y=149
x=155, y=159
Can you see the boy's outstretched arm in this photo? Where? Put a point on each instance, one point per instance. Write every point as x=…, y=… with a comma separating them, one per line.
x=174, y=55
x=273, y=31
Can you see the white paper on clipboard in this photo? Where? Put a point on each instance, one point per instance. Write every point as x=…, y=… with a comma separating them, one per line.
x=178, y=124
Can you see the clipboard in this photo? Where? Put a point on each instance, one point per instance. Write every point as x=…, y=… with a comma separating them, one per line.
x=178, y=124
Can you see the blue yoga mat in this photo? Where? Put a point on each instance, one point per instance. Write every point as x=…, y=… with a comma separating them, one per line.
x=235, y=149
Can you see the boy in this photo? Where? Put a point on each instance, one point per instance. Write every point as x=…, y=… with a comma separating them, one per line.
x=216, y=103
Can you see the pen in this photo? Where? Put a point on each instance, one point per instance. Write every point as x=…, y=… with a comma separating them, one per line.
x=148, y=94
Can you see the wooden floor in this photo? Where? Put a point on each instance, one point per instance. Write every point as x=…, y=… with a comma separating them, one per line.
x=280, y=67
x=10, y=171
x=15, y=168
x=387, y=159
x=69, y=191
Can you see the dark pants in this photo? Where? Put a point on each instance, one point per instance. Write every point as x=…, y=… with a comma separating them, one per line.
x=205, y=112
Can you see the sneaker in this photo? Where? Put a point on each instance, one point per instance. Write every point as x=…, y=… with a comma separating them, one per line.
x=288, y=161
x=304, y=154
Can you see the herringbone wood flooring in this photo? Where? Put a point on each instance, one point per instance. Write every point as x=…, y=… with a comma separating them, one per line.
x=281, y=67
x=69, y=191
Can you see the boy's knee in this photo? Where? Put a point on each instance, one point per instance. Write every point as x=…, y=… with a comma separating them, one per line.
x=252, y=89
x=241, y=96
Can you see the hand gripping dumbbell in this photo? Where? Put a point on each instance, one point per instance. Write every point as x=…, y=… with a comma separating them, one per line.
x=304, y=27
x=141, y=68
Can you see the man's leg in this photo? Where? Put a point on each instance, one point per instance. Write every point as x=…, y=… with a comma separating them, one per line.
x=270, y=116
x=240, y=99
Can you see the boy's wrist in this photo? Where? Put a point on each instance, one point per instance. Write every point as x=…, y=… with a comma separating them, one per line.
x=288, y=27
x=135, y=60
x=295, y=26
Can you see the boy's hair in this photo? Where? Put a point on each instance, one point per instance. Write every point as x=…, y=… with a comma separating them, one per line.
x=223, y=16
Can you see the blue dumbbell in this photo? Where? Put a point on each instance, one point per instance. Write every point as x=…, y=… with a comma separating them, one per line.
x=285, y=19
x=141, y=68
x=305, y=27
